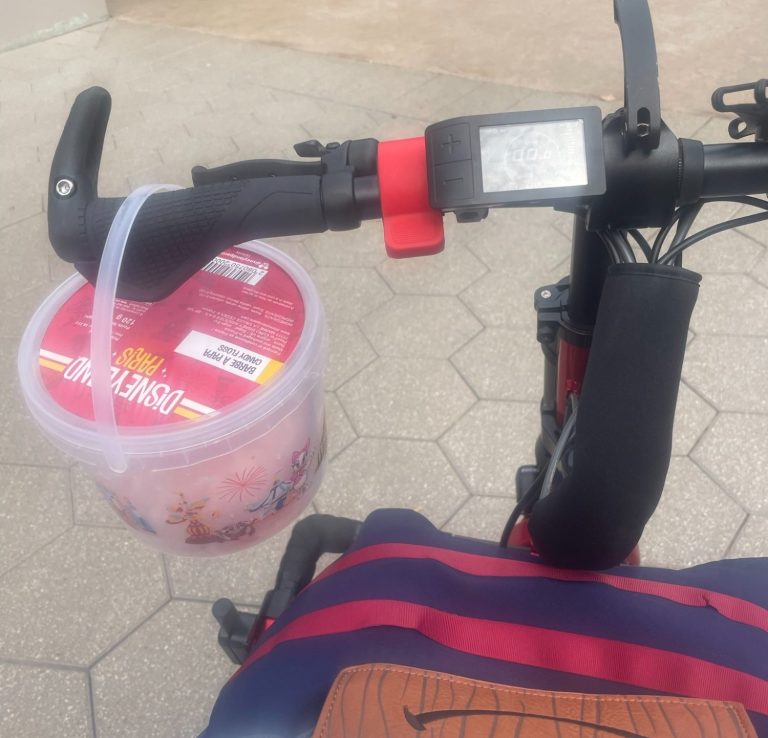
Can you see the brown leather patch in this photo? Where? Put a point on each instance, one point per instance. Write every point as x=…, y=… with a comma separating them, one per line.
x=384, y=701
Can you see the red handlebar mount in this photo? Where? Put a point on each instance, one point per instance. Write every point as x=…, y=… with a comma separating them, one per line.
x=411, y=226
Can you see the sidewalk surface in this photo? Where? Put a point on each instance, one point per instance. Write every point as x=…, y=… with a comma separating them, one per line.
x=433, y=380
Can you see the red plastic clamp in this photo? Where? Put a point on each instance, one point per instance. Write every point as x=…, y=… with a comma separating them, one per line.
x=411, y=226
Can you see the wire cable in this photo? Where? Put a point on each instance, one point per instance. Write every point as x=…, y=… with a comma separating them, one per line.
x=754, y=202
x=664, y=232
x=566, y=436
x=524, y=505
x=618, y=246
x=662, y=235
x=641, y=241
x=684, y=224
x=670, y=256
x=614, y=254
x=623, y=247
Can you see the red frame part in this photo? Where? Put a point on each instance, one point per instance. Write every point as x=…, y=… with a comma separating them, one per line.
x=571, y=367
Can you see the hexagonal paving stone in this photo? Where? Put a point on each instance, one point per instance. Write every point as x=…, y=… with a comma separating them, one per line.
x=339, y=122
x=349, y=294
x=545, y=99
x=296, y=250
x=24, y=204
x=446, y=273
x=694, y=522
x=518, y=240
x=752, y=539
x=340, y=430
x=684, y=124
x=90, y=507
x=36, y=508
x=692, y=417
x=244, y=577
x=78, y=596
x=361, y=247
x=729, y=371
x=420, y=325
x=485, y=97
x=490, y=442
x=481, y=517
x=58, y=270
x=757, y=231
x=18, y=309
x=505, y=298
x=425, y=99
x=731, y=305
x=502, y=365
x=21, y=441
x=760, y=272
x=733, y=451
x=374, y=473
x=375, y=86
x=24, y=251
x=44, y=702
x=405, y=398
x=349, y=352
x=730, y=251
x=171, y=667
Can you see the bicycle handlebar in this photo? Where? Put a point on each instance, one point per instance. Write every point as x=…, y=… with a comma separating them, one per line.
x=177, y=232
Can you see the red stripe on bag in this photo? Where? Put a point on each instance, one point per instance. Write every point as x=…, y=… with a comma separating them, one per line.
x=732, y=608
x=600, y=658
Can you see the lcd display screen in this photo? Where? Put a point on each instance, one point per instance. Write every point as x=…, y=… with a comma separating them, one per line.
x=532, y=156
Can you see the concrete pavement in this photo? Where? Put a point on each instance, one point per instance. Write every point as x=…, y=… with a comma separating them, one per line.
x=100, y=636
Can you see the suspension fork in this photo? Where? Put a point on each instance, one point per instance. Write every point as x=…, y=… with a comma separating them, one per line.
x=565, y=315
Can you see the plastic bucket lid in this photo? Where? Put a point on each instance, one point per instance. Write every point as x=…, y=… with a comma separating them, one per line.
x=174, y=438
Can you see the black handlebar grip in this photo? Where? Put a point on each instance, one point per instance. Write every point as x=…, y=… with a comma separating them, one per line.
x=175, y=233
x=178, y=232
x=623, y=441
x=74, y=172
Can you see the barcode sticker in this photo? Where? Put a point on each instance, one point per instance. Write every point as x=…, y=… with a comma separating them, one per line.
x=235, y=270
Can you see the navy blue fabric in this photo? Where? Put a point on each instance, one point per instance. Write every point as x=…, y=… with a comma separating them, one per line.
x=282, y=693
x=736, y=577
x=576, y=607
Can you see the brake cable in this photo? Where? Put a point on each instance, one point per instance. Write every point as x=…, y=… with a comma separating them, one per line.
x=674, y=251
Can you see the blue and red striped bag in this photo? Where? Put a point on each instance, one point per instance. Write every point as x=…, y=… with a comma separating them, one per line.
x=409, y=594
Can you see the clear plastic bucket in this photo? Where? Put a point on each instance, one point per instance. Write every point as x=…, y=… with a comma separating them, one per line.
x=214, y=437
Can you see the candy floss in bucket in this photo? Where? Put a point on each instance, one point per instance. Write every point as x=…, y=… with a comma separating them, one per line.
x=203, y=425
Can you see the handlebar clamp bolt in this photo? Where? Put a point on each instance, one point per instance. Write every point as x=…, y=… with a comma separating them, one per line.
x=65, y=188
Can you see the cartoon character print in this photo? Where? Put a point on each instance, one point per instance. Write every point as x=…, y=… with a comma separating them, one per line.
x=299, y=462
x=191, y=513
x=284, y=491
x=237, y=530
x=200, y=524
x=128, y=512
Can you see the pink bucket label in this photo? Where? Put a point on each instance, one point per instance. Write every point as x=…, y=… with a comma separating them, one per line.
x=223, y=334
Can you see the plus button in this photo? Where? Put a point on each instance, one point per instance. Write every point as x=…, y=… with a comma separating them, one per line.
x=450, y=143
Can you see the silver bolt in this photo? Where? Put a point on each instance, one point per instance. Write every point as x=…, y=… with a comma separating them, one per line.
x=546, y=294
x=65, y=187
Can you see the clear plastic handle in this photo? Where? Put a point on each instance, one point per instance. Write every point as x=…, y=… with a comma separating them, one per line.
x=101, y=325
